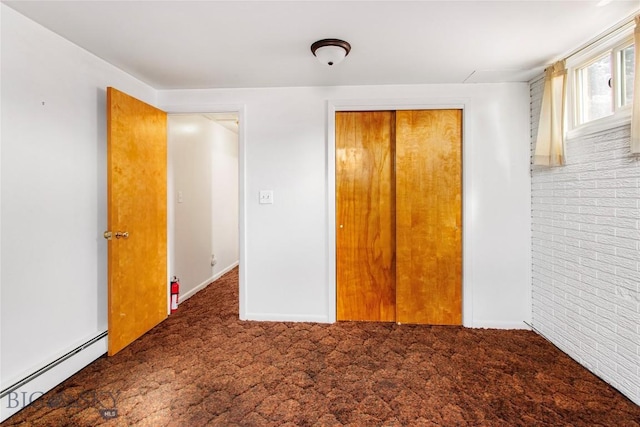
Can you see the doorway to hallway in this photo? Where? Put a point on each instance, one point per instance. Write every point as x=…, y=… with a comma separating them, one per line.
x=203, y=198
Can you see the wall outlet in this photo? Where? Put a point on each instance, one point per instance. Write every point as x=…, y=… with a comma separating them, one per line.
x=266, y=197
x=214, y=261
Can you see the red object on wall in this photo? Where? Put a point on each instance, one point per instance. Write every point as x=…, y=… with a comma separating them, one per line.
x=175, y=290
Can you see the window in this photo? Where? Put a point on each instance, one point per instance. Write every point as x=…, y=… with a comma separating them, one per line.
x=600, y=83
x=626, y=59
x=604, y=84
x=594, y=90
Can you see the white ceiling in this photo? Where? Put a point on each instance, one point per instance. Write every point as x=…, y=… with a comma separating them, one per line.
x=214, y=44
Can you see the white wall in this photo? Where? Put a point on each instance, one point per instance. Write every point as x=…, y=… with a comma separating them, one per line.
x=53, y=195
x=224, y=198
x=288, y=272
x=586, y=252
x=203, y=163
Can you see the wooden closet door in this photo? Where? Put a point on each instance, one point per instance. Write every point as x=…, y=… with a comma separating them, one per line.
x=428, y=217
x=364, y=216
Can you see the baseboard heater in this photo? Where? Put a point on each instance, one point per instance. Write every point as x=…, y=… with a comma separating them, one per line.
x=51, y=365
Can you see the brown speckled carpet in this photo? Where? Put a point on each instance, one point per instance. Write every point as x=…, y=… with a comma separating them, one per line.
x=203, y=366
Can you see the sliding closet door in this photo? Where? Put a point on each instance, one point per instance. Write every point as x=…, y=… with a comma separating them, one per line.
x=365, y=195
x=428, y=217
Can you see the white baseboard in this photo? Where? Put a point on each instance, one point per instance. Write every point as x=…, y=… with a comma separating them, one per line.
x=207, y=282
x=499, y=324
x=34, y=389
x=279, y=317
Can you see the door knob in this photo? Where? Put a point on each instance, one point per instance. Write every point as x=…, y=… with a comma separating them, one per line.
x=107, y=235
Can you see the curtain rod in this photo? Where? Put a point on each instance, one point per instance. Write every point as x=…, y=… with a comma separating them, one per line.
x=620, y=26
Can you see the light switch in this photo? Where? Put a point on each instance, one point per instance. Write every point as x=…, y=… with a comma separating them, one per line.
x=266, y=197
x=180, y=199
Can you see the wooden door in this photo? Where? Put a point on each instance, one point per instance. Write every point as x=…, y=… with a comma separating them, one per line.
x=429, y=217
x=398, y=216
x=137, y=205
x=364, y=216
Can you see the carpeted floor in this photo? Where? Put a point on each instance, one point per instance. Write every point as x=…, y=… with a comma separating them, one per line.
x=203, y=366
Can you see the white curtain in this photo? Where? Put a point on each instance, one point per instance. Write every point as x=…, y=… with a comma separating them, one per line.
x=550, y=142
x=635, y=117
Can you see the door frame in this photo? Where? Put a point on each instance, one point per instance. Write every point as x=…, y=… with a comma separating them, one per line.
x=464, y=104
x=240, y=110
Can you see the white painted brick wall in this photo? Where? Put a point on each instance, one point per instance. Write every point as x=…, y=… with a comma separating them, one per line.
x=586, y=252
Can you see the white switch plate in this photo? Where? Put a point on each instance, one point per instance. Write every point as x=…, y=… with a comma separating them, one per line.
x=266, y=197
x=180, y=199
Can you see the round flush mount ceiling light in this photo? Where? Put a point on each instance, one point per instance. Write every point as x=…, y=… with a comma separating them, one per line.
x=330, y=51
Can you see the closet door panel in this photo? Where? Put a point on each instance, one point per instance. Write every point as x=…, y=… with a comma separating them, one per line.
x=365, y=234
x=428, y=217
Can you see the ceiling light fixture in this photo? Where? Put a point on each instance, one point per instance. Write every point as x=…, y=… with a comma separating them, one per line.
x=330, y=51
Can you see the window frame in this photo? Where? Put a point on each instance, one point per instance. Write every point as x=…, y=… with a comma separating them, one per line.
x=612, y=45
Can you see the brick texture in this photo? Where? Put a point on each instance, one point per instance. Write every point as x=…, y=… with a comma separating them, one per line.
x=586, y=252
